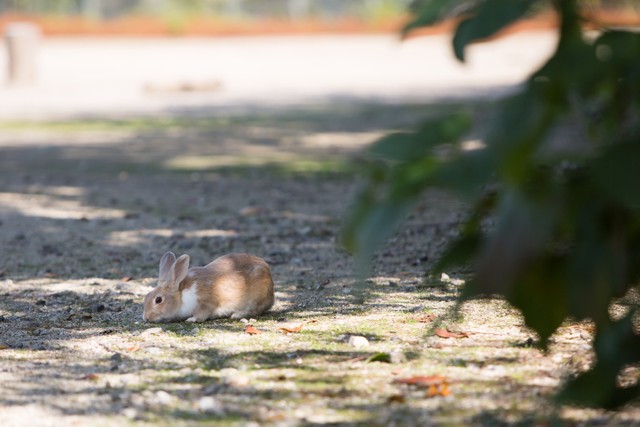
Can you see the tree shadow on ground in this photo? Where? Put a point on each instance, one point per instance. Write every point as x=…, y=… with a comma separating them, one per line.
x=87, y=215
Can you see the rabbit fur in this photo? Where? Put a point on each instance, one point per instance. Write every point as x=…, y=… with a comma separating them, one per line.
x=236, y=285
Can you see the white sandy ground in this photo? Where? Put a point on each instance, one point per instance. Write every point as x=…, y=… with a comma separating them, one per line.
x=78, y=76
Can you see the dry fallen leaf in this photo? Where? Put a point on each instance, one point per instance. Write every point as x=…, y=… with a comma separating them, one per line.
x=445, y=333
x=436, y=385
x=428, y=380
x=126, y=279
x=444, y=390
x=291, y=330
x=251, y=330
x=92, y=377
x=134, y=348
x=426, y=318
x=396, y=398
x=397, y=371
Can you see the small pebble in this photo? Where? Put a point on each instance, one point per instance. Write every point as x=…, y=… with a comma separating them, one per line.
x=252, y=320
x=210, y=405
x=151, y=331
x=163, y=398
x=130, y=413
x=358, y=341
x=397, y=357
x=243, y=320
x=153, y=350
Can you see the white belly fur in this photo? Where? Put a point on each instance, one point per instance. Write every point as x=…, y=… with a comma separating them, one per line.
x=189, y=301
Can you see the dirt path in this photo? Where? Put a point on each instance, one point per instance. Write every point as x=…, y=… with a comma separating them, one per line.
x=88, y=208
x=85, y=76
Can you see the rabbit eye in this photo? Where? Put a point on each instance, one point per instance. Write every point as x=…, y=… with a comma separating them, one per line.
x=158, y=300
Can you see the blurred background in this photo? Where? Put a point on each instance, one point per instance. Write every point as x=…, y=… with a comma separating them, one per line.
x=69, y=57
x=190, y=16
x=146, y=56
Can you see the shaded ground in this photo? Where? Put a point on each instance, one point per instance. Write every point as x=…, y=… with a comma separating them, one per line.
x=87, y=208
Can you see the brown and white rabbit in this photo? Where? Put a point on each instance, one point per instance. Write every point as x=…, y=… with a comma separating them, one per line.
x=235, y=285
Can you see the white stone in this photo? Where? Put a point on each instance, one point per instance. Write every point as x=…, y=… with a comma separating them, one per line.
x=210, y=405
x=163, y=398
x=358, y=341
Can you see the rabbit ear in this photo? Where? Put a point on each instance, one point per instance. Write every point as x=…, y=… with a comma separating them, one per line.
x=179, y=270
x=166, y=263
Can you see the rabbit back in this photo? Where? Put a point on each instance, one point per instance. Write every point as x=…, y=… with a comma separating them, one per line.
x=235, y=285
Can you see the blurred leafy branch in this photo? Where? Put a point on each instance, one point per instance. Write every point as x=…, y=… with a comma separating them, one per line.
x=555, y=230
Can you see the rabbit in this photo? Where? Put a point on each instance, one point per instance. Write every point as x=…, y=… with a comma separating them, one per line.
x=236, y=285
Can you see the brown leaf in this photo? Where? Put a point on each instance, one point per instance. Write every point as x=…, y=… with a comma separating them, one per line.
x=134, y=348
x=444, y=390
x=251, y=330
x=433, y=391
x=397, y=371
x=91, y=377
x=425, y=381
x=4, y=346
x=445, y=333
x=396, y=398
x=436, y=385
x=426, y=318
x=311, y=321
x=126, y=279
x=292, y=329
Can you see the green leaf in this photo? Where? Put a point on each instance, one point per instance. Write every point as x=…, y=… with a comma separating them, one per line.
x=541, y=295
x=380, y=357
x=487, y=18
x=405, y=147
x=524, y=227
x=398, y=146
x=617, y=174
x=467, y=173
x=460, y=252
x=392, y=192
